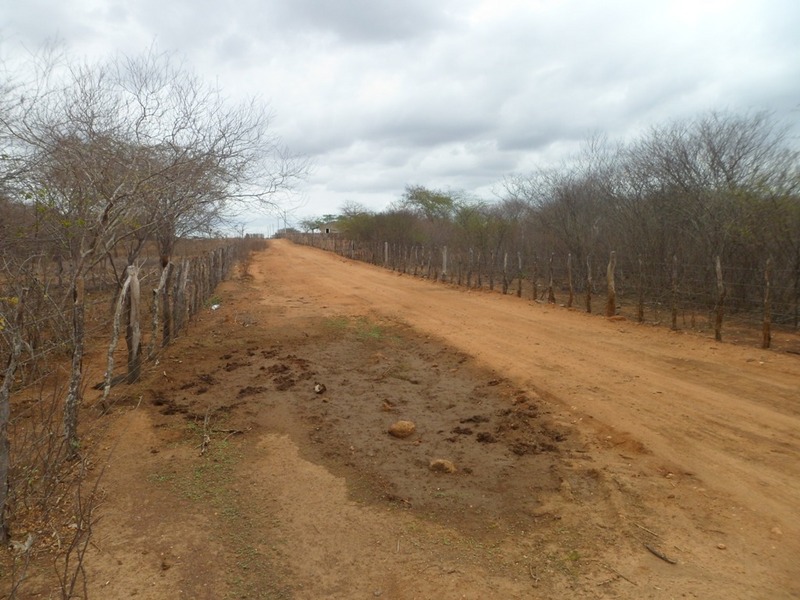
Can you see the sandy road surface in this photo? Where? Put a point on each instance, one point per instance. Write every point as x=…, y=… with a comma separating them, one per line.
x=729, y=415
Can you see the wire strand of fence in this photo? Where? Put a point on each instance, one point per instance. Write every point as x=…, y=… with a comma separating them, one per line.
x=646, y=288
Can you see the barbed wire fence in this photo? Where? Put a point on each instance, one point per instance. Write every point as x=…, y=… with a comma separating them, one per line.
x=746, y=304
x=37, y=341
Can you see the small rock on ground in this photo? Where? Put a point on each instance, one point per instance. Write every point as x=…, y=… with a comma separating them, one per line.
x=442, y=465
x=402, y=429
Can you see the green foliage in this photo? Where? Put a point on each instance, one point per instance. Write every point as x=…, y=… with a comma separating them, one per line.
x=429, y=204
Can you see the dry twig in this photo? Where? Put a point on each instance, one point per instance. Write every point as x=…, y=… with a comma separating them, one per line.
x=613, y=570
x=661, y=555
x=647, y=530
x=206, y=437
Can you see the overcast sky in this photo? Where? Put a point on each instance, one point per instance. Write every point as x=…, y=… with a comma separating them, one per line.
x=450, y=94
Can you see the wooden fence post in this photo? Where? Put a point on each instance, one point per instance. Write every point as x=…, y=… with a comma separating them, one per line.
x=444, y=263
x=720, y=308
x=505, y=273
x=519, y=274
x=430, y=259
x=133, y=332
x=470, y=267
x=112, y=346
x=766, y=333
x=551, y=295
x=588, y=284
x=178, y=293
x=611, y=302
x=5, y=412
x=166, y=310
x=640, y=307
x=674, y=292
x=76, y=372
x=569, y=280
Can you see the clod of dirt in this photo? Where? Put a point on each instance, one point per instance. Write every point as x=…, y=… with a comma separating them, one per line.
x=402, y=429
x=283, y=383
x=251, y=391
x=462, y=431
x=208, y=379
x=232, y=366
x=319, y=388
x=486, y=438
x=442, y=465
x=523, y=448
x=475, y=419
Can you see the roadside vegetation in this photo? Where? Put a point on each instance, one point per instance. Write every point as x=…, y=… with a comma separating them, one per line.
x=114, y=177
x=694, y=218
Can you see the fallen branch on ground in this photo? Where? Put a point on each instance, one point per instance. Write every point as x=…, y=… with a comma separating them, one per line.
x=661, y=555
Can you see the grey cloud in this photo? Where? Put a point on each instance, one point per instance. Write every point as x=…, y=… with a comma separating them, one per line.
x=381, y=93
x=363, y=20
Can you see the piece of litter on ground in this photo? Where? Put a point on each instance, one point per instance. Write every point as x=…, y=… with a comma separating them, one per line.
x=215, y=306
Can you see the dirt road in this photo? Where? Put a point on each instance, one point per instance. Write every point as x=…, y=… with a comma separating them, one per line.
x=730, y=415
x=596, y=458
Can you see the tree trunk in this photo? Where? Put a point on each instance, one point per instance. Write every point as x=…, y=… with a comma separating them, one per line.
x=551, y=295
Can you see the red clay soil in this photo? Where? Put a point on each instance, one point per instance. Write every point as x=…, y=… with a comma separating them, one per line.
x=593, y=458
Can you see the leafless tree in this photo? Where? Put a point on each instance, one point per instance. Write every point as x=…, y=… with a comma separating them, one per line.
x=129, y=150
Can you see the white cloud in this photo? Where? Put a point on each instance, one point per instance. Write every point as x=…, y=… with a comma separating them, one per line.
x=381, y=94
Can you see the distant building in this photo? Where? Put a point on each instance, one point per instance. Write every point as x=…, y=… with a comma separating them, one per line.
x=330, y=228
